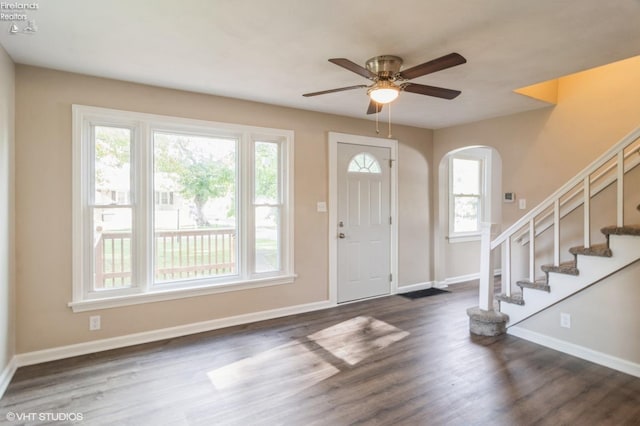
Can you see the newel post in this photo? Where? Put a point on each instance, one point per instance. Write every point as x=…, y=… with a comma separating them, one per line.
x=484, y=320
x=486, y=267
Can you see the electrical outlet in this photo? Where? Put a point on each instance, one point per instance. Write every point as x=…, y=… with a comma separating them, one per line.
x=565, y=320
x=94, y=323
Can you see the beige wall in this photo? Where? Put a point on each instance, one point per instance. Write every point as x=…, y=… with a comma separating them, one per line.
x=7, y=313
x=43, y=188
x=596, y=319
x=543, y=149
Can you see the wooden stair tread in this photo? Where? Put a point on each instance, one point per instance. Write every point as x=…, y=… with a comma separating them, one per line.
x=515, y=298
x=568, y=268
x=601, y=250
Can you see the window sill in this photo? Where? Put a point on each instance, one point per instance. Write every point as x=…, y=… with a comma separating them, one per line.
x=464, y=238
x=172, y=294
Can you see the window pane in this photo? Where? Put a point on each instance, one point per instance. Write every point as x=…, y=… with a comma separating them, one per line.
x=465, y=214
x=112, y=172
x=111, y=248
x=266, y=173
x=466, y=176
x=267, y=251
x=364, y=163
x=195, y=229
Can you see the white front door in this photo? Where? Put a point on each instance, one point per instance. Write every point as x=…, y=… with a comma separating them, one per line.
x=363, y=221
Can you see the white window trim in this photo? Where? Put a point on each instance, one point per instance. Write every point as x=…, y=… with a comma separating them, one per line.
x=484, y=200
x=143, y=125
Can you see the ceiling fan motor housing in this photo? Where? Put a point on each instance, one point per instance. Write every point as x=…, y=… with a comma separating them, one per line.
x=385, y=66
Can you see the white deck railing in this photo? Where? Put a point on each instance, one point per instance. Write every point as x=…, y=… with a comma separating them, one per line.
x=178, y=254
x=608, y=169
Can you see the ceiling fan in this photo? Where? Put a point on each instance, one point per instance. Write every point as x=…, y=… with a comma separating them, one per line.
x=389, y=81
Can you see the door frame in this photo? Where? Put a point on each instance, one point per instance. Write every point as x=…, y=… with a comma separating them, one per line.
x=334, y=139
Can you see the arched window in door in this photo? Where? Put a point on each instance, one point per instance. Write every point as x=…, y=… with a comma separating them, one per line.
x=364, y=163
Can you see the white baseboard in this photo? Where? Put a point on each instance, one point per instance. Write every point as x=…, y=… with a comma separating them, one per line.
x=415, y=287
x=460, y=279
x=464, y=278
x=578, y=351
x=6, y=375
x=36, y=357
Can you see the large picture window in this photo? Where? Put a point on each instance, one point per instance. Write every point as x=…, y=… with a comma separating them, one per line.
x=167, y=207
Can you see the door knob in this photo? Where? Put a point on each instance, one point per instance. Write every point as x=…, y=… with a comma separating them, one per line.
x=341, y=235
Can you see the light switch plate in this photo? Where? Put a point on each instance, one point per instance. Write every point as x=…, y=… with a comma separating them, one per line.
x=565, y=320
x=522, y=204
x=321, y=207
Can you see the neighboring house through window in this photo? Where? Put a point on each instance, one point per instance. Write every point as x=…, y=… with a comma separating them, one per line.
x=164, y=198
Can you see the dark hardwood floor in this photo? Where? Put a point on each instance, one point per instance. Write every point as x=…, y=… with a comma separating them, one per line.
x=387, y=361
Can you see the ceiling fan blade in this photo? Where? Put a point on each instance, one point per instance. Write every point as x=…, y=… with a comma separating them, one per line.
x=353, y=67
x=444, y=62
x=438, y=92
x=374, y=107
x=341, y=89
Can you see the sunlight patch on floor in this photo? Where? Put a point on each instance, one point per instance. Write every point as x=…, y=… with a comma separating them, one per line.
x=358, y=338
x=306, y=369
x=305, y=364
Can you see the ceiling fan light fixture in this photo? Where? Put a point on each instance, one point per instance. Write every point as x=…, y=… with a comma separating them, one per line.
x=384, y=92
x=389, y=81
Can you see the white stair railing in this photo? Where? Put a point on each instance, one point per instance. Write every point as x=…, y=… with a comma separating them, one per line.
x=620, y=157
x=598, y=182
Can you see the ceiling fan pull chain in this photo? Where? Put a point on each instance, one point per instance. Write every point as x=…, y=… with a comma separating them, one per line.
x=389, y=121
x=377, y=128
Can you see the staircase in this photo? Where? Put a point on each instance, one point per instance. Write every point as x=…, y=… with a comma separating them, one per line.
x=591, y=262
x=589, y=266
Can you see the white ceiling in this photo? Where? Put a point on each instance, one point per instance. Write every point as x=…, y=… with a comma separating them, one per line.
x=273, y=51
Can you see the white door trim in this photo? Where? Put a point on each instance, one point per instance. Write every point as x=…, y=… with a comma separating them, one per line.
x=392, y=144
